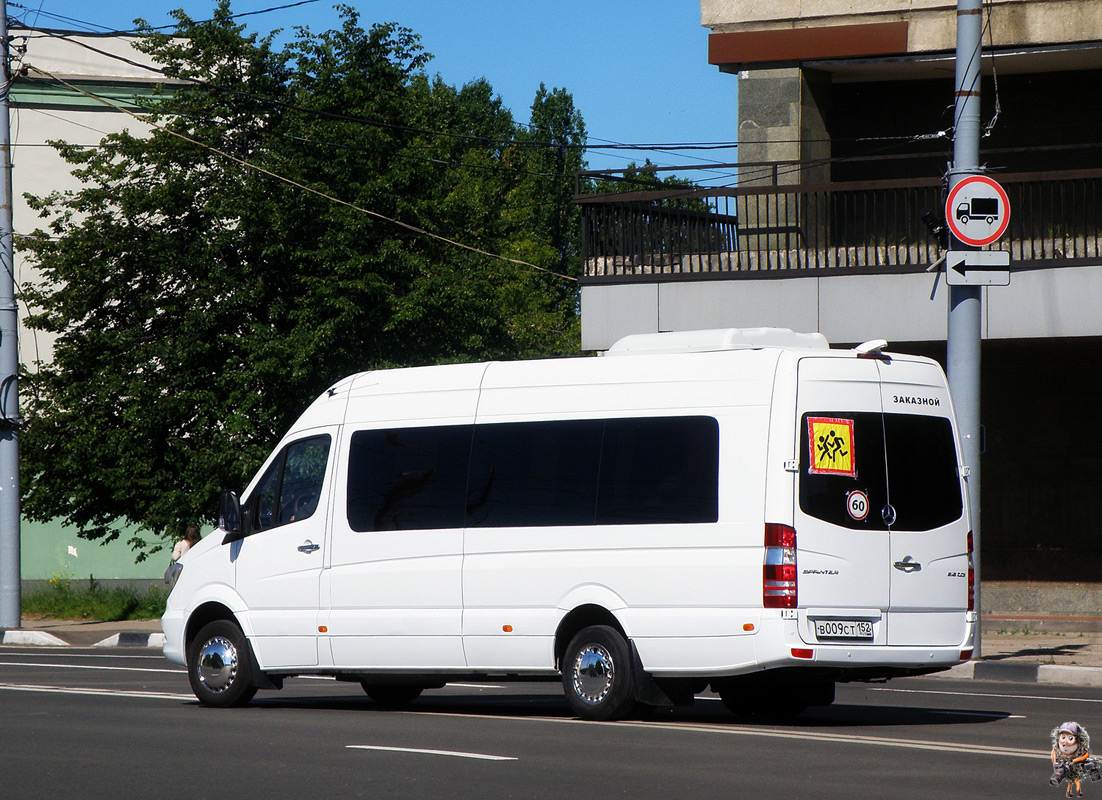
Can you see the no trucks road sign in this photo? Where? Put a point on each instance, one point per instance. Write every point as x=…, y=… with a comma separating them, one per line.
x=977, y=211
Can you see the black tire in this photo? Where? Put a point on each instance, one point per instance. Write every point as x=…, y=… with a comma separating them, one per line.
x=596, y=674
x=391, y=695
x=219, y=666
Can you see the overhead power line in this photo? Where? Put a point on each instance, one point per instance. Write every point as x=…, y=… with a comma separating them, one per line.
x=591, y=143
x=302, y=186
x=107, y=31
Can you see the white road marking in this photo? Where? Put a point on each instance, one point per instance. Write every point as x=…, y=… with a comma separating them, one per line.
x=988, y=694
x=998, y=714
x=449, y=686
x=177, y=671
x=985, y=714
x=38, y=653
x=13, y=687
x=965, y=749
x=848, y=738
x=453, y=753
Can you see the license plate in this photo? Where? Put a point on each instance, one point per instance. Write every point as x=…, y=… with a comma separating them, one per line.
x=842, y=629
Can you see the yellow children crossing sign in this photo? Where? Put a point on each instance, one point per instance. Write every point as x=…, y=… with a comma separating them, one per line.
x=830, y=441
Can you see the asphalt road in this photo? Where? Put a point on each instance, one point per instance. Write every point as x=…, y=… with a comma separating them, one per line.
x=123, y=723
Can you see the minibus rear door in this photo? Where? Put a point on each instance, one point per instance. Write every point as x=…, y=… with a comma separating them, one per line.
x=929, y=529
x=841, y=534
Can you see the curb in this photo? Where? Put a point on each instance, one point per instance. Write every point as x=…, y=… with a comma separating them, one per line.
x=31, y=638
x=133, y=640
x=25, y=637
x=1024, y=673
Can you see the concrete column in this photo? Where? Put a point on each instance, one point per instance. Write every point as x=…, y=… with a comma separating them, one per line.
x=782, y=117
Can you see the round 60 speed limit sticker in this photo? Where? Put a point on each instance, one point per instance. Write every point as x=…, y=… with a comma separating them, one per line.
x=857, y=504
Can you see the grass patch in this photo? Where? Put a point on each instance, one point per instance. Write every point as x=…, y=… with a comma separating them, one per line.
x=65, y=598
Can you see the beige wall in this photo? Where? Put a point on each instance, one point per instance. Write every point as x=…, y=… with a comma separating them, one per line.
x=931, y=23
x=43, y=111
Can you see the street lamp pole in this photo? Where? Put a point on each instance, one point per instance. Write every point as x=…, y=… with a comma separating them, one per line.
x=965, y=302
x=10, y=611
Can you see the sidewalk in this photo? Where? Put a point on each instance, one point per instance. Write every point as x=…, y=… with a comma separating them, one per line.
x=84, y=633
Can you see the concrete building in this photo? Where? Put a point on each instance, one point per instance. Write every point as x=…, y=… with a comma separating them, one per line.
x=844, y=126
x=46, y=109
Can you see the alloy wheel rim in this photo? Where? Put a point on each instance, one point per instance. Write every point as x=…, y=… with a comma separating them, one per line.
x=216, y=666
x=593, y=674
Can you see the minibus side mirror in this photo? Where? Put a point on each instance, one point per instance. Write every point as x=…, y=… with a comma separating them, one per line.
x=230, y=519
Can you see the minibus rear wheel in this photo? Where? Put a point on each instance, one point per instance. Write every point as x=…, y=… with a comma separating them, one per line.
x=220, y=665
x=596, y=674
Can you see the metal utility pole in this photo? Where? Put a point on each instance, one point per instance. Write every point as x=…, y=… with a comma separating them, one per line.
x=10, y=611
x=965, y=302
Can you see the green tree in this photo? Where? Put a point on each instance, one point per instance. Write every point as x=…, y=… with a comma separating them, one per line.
x=199, y=303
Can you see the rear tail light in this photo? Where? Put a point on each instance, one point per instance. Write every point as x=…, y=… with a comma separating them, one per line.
x=971, y=576
x=779, y=570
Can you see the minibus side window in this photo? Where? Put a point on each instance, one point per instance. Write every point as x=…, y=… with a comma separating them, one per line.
x=408, y=478
x=266, y=498
x=291, y=487
x=595, y=472
x=534, y=473
x=658, y=470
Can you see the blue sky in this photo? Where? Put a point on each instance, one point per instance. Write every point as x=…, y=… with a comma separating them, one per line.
x=638, y=71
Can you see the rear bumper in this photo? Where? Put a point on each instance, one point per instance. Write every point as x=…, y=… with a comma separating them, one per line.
x=784, y=644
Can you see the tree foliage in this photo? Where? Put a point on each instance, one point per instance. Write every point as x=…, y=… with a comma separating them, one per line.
x=198, y=304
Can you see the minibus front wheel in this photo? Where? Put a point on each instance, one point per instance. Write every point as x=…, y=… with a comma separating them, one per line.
x=597, y=675
x=220, y=665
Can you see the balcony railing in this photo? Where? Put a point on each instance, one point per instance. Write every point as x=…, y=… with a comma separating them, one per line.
x=859, y=227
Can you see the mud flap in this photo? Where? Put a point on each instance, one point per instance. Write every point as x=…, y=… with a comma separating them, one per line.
x=658, y=692
x=262, y=680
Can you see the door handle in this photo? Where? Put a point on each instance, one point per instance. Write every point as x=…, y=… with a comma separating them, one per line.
x=308, y=547
x=908, y=564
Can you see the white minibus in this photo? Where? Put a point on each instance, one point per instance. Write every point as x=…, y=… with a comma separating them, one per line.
x=748, y=510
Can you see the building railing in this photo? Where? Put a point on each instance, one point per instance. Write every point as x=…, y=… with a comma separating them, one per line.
x=860, y=227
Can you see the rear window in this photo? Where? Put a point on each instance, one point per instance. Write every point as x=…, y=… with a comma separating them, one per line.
x=853, y=465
